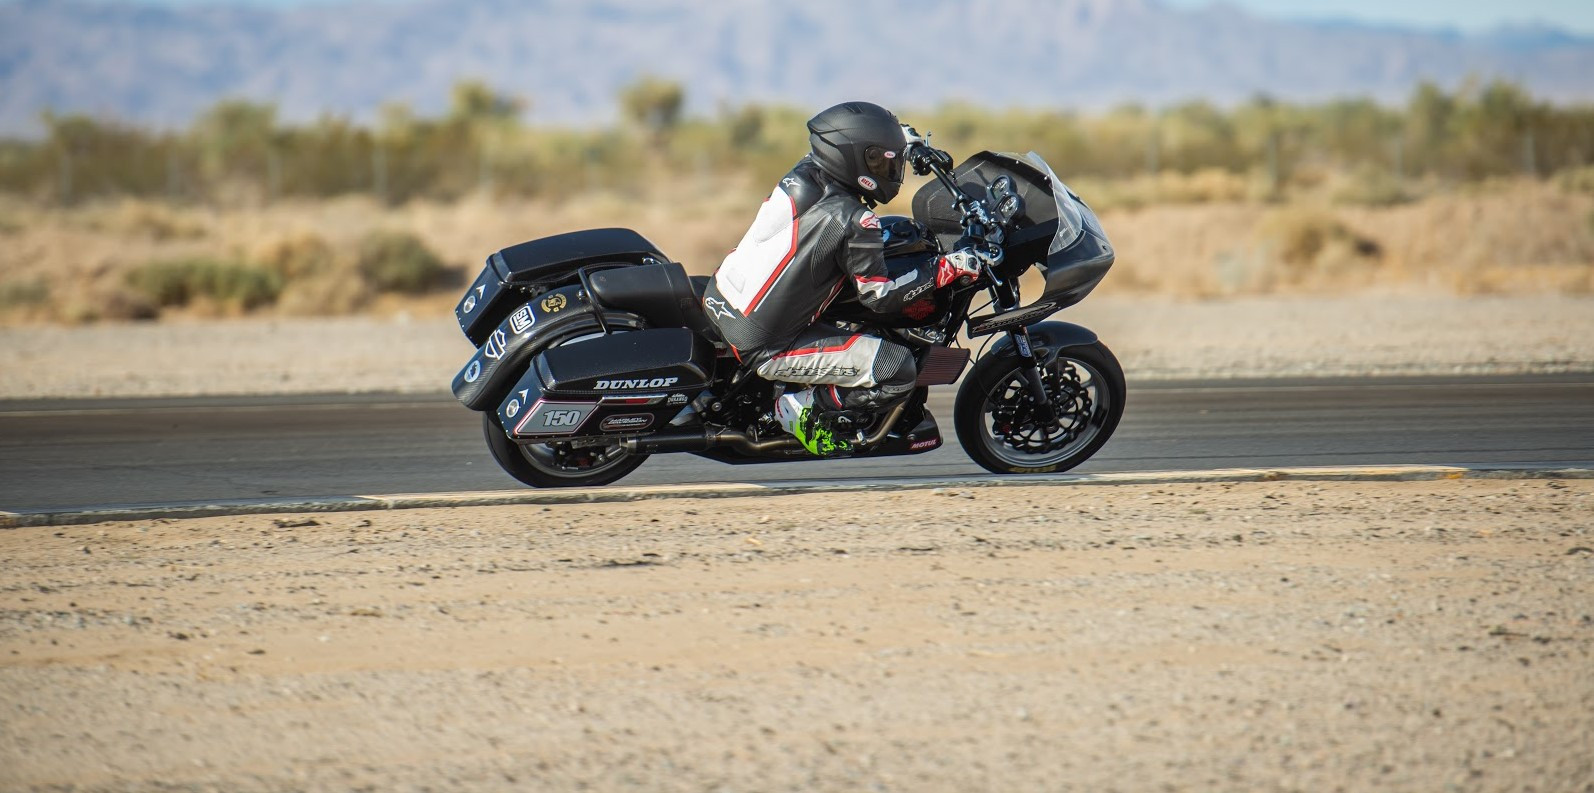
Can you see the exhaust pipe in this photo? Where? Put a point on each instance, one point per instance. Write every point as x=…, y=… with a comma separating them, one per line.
x=707, y=437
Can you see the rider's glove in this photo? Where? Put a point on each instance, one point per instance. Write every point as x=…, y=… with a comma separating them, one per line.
x=921, y=155
x=959, y=265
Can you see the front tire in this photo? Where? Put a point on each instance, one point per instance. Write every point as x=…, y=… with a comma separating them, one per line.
x=1000, y=429
x=557, y=464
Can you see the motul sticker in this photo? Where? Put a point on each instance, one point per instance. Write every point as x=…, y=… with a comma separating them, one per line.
x=869, y=220
x=867, y=183
x=924, y=444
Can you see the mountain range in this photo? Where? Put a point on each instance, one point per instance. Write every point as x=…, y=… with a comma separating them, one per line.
x=163, y=64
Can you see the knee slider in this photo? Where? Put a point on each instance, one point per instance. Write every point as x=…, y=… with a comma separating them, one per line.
x=894, y=369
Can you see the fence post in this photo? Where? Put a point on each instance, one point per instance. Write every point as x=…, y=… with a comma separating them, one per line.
x=1274, y=178
x=273, y=175
x=1154, y=150
x=65, y=176
x=379, y=170
x=173, y=177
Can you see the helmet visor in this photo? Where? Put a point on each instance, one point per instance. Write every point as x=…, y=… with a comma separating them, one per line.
x=884, y=164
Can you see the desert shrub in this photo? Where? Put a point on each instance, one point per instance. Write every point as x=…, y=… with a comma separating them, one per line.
x=108, y=304
x=23, y=294
x=1370, y=186
x=296, y=256
x=331, y=293
x=397, y=261
x=1204, y=186
x=146, y=219
x=1301, y=240
x=179, y=282
x=1577, y=180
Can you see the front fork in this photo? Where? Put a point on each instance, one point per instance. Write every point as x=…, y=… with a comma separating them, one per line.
x=1031, y=369
x=1006, y=298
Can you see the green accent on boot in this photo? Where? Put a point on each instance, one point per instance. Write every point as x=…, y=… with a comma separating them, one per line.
x=814, y=437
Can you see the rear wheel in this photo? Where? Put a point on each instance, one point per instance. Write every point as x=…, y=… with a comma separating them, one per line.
x=1003, y=429
x=560, y=464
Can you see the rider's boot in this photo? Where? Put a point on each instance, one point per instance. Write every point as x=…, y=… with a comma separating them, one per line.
x=798, y=415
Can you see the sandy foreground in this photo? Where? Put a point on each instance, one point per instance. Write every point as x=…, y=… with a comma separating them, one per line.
x=1154, y=338
x=1250, y=636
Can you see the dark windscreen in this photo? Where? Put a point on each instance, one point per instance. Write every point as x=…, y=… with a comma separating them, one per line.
x=933, y=205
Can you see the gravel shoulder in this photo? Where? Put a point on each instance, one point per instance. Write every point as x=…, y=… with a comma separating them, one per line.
x=1256, y=636
x=1155, y=339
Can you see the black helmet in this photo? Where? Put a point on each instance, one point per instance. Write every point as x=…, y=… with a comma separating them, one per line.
x=862, y=146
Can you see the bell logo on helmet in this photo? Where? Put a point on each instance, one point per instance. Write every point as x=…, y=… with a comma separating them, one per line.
x=867, y=183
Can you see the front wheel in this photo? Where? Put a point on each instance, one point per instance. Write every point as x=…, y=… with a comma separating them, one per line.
x=560, y=464
x=1001, y=428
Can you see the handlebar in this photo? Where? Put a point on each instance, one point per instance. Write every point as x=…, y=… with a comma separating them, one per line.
x=983, y=232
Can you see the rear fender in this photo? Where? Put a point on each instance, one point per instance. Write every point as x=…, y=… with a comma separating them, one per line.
x=484, y=380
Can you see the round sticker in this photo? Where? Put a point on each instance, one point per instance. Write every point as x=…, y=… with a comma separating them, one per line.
x=867, y=183
x=473, y=371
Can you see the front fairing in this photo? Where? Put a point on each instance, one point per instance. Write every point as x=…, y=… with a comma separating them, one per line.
x=1056, y=232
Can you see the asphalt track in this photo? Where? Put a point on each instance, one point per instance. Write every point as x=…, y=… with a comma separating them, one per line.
x=73, y=454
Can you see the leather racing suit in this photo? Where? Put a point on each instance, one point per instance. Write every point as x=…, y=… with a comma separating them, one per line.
x=812, y=238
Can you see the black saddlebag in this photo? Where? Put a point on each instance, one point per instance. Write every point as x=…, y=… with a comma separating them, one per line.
x=621, y=384
x=516, y=274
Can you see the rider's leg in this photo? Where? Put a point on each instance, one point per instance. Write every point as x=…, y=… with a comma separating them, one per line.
x=850, y=371
x=893, y=373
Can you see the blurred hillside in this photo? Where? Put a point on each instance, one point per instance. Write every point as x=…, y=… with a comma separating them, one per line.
x=164, y=64
x=242, y=153
x=1483, y=190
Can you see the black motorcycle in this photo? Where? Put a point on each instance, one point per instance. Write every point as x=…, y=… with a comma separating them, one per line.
x=594, y=350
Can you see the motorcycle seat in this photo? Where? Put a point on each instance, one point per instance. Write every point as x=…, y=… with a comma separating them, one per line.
x=660, y=293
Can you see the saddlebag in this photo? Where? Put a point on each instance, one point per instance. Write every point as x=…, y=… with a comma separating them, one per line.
x=620, y=384
x=516, y=274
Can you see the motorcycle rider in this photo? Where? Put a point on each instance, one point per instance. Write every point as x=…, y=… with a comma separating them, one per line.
x=816, y=235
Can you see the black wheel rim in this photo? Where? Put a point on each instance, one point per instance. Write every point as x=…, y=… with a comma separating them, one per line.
x=1017, y=433
x=569, y=461
x=573, y=462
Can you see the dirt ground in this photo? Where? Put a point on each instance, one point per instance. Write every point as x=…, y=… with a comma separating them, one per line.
x=1264, y=636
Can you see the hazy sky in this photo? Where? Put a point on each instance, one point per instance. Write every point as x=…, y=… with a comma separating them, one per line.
x=1470, y=15
x=1467, y=15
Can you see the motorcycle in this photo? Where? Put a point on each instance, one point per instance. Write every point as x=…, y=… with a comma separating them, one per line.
x=594, y=350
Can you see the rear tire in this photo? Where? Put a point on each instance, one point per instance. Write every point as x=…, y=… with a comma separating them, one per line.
x=994, y=414
x=557, y=464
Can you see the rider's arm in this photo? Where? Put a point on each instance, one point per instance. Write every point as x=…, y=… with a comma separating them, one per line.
x=865, y=266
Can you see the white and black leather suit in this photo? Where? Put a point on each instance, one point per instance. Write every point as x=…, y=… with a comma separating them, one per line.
x=813, y=238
